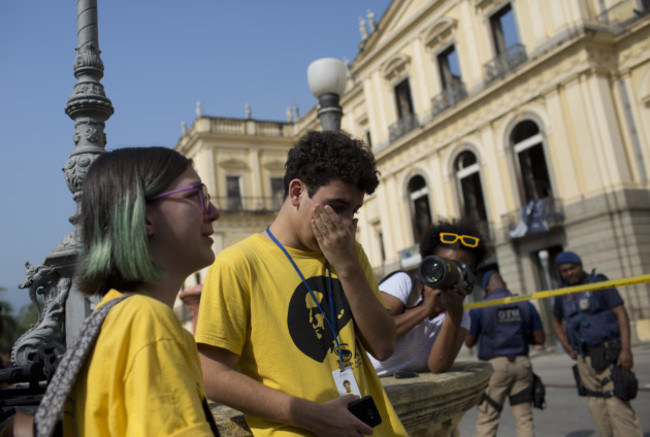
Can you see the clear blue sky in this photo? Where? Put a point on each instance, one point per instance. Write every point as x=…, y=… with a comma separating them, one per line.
x=160, y=58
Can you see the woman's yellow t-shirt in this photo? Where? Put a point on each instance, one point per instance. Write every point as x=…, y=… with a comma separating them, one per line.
x=143, y=377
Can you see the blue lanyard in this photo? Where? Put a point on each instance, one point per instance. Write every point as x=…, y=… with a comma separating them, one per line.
x=330, y=321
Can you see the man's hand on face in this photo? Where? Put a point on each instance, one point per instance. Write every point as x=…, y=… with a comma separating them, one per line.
x=335, y=239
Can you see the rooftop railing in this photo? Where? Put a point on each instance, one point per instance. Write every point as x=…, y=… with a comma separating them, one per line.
x=234, y=126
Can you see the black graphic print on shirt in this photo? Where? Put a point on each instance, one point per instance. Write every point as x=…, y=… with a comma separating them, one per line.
x=307, y=326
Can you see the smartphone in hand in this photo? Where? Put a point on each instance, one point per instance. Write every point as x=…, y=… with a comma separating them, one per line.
x=401, y=374
x=365, y=410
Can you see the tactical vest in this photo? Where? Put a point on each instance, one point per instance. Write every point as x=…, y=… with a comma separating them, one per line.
x=503, y=328
x=588, y=321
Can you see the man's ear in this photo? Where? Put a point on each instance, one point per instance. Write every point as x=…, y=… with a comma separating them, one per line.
x=296, y=190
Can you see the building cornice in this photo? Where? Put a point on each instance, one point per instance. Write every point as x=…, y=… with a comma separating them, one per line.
x=373, y=53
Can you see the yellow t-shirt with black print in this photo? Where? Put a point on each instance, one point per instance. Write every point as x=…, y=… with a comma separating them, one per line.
x=255, y=305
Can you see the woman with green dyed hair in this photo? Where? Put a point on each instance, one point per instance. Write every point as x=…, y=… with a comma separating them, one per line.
x=146, y=220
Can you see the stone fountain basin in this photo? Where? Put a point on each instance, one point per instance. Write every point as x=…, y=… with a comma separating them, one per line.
x=429, y=405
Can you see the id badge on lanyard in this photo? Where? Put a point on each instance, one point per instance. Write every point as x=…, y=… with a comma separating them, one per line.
x=344, y=378
x=345, y=381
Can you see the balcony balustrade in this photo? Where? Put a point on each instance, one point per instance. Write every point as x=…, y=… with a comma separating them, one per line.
x=514, y=56
x=537, y=216
x=451, y=95
x=259, y=205
x=623, y=13
x=403, y=126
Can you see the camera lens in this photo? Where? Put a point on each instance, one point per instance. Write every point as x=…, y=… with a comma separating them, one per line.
x=433, y=271
x=438, y=272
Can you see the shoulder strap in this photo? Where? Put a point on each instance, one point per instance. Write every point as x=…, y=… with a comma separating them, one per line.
x=51, y=406
x=597, y=277
x=391, y=274
x=414, y=295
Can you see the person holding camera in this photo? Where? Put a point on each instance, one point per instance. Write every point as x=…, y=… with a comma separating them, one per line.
x=503, y=333
x=287, y=315
x=596, y=335
x=431, y=323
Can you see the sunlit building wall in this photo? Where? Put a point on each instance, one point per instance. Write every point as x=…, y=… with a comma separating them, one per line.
x=530, y=117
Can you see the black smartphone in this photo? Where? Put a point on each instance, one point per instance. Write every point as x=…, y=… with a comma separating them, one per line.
x=405, y=374
x=365, y=410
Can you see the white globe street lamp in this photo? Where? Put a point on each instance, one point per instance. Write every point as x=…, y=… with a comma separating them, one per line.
x=327, y=80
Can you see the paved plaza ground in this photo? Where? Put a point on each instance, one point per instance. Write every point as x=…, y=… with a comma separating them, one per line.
x=566, y=414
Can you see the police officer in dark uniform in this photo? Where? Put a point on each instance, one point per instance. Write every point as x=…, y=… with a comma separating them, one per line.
x=503, y=333
x=597, y=336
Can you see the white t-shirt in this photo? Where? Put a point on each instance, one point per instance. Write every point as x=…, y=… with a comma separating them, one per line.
x=413, y=348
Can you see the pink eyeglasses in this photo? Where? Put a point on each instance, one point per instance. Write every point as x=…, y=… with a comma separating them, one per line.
x=204, y=196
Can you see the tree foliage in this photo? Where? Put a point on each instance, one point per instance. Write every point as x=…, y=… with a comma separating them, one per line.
x=12, y=327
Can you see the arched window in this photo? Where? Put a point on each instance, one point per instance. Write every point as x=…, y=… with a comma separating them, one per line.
x=529, y=152
x=420, y=210
x=470, y=190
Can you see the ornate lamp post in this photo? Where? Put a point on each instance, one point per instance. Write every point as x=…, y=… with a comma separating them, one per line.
x=64, y=307
x=327, y=77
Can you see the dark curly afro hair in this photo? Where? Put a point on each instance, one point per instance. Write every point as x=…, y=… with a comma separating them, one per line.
x=321, y=157
x=430, y=242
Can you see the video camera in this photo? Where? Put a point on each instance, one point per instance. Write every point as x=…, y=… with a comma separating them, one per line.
x=442, y=273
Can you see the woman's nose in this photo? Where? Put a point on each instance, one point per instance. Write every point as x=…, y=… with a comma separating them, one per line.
x=212, y=213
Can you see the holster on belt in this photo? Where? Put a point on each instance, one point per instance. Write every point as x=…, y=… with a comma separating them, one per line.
x=582, y=391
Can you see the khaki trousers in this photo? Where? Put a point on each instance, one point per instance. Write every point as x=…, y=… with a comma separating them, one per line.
x=613, y=417
x=509, y=378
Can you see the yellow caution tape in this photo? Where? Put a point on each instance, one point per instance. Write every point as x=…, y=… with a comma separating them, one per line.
x=561, y=291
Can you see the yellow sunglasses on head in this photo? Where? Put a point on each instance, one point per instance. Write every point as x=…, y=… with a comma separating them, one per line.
x=466, y=240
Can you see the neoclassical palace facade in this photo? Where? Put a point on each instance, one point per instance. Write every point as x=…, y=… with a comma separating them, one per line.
x=531, y=117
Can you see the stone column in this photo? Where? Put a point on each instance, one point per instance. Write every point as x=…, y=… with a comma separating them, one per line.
x=89, y=108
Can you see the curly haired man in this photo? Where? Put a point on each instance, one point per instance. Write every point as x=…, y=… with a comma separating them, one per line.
x=288, y=314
